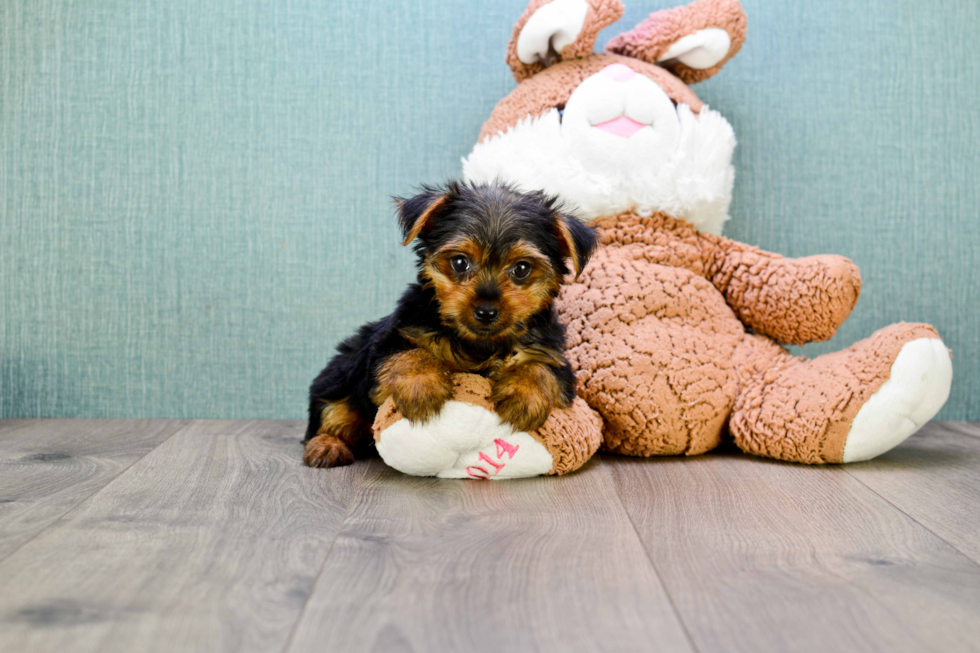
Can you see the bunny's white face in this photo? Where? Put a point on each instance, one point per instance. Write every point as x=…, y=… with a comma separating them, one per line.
x=618, y=133
x=619, y=144
x=616, y=115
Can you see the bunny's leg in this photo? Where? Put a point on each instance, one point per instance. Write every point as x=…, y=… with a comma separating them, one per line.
x=847, y=406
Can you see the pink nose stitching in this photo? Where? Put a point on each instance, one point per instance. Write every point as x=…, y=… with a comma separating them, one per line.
x=619, y=72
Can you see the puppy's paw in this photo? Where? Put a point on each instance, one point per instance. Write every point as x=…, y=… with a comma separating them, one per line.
x=327, y=451
x=418, y=383
x=523, y=413
x=525, y=398
x=420, y=398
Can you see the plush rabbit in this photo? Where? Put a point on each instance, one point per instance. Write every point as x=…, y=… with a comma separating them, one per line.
x=674, y=331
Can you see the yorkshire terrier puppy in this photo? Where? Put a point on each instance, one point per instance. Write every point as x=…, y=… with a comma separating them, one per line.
x=491, y=261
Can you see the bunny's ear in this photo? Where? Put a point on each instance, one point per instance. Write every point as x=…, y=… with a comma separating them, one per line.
x=552, y=30
x=693, y=42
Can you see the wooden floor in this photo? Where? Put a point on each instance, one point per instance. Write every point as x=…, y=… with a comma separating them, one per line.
x=211, y=536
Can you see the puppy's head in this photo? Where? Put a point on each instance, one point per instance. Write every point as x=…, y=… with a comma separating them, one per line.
x=493, y=256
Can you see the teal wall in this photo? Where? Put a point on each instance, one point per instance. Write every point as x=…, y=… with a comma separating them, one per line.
x=194, y=195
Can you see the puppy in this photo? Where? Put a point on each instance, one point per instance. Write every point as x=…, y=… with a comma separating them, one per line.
x=491, y=261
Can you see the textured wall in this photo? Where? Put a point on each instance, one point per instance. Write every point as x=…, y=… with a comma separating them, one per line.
x=194, y=195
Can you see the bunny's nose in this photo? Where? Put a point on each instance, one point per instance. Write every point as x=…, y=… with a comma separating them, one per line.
x=619, y=72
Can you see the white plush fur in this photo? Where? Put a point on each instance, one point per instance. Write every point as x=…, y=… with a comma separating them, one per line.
x=552, y=27
x=701, y=50
x=450, y=446
x=917, y=387
x=694, y=183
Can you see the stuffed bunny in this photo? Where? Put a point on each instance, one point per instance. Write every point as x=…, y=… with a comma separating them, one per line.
x=674, y=331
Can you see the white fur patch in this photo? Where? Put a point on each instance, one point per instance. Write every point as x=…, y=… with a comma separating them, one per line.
x=917, y=387
x=463, y=441
x=555, y=25
x=694, y=182
x=701, y=50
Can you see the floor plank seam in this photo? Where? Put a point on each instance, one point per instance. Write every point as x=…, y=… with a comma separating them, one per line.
x=61, y=517
x=636, y=532
x=319, y=573
x=916, y=521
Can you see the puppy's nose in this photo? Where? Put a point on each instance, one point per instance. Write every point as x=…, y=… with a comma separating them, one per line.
x=486, y=313
x=619, y=72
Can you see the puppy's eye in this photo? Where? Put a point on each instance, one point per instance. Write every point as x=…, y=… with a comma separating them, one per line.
x=521, y=270
x=460, y=264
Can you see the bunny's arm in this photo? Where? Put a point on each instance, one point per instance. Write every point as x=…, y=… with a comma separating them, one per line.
x=794, y=301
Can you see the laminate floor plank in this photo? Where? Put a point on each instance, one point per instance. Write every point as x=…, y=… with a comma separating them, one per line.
x=965, y=428
x=211, y=543
x=128, y=535
x=762, y=556
x=9, y=423
x=47, y=467
x=934, y=477
x=544, y=564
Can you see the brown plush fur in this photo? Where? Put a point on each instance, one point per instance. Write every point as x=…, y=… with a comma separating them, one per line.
x=600, y=14
x=652, y=37
x=657, y=332
x=676, y=335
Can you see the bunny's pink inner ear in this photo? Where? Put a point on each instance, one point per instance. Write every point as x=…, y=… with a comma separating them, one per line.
x=693, y=41
x=554, y=30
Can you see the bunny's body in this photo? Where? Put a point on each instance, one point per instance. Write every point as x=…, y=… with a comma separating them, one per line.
x=676, y=332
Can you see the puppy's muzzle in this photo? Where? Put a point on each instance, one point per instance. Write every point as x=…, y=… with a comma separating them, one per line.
x=486, y=314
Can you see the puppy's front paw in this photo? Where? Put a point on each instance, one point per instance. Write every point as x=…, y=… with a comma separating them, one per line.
x=418, y=383
x=523, y=413
x=327, y=451
x=525, y=398
x=420, y=398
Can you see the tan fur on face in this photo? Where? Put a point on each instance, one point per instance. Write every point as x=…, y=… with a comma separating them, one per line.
x=525, y=299
x=519, y=300
x=417, y=381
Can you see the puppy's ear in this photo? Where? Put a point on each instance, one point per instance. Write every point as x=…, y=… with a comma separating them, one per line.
x=576, y=239
x=416, y=215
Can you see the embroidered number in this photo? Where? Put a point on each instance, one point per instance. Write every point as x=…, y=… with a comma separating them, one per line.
x=503, y=447
x=485, y=458
x=506, y=447
x=485, y=474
